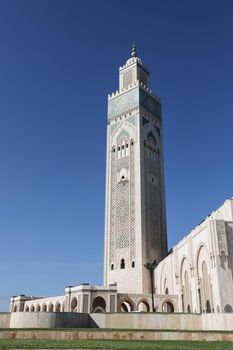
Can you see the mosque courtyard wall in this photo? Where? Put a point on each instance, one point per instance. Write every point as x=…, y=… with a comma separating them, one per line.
x=133, y=320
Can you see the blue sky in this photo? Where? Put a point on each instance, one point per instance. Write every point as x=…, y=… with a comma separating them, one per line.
x=58, y=62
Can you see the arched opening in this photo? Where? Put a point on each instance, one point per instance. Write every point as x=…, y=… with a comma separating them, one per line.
x=26, y=309
x=37, y=308
x=143, y=306
x=15, y=308
x=74, y=304
x=122, y=263
x=63, y=306
x=168, y=307
x=112, y=267
x=58, y=307
x=204, y=274
x=185, y=283
x=32, y=308
x=165, y=286
x=206, y=287
x=228, y=308
x=50, y=308
x=126, y=306
x=44, y=308
x=133, y=264
x=223, y=260
x=208, y=307
x=98, y=305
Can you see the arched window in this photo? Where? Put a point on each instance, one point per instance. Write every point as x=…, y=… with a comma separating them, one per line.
x=98, y=305
x=227, y=308
x=50, y=309
x=133, y=264
x=74, y=304
x=58, y=307
x=208, y=307
x=126, y=306
x=143, y=306
x=168, y=307
x=63, y=306
x=15, y=308
x=122, y=263
x=112, y=267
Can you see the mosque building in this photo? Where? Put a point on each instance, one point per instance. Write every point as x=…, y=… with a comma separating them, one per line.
x=195, y=276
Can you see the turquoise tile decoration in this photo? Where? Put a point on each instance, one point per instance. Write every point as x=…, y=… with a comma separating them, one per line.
x=123, y=133
x=132, y=99
x=113, y=127
x=123, y=103
x=131, y=119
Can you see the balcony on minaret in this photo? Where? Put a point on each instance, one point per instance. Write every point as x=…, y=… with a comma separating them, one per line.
x=133, y=71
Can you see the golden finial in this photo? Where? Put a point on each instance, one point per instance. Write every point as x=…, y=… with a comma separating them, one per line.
x=134, y=52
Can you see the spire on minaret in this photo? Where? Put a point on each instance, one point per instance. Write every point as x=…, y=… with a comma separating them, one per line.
x=134, y=52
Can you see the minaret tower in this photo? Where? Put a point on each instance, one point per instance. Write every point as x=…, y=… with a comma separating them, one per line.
x=135, y=217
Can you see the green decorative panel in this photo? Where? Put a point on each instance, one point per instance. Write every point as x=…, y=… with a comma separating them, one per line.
x=123, y=103
x=113, y=127
x=131, y=120
x=144, y=121
x=132, y=99
x=123, y=133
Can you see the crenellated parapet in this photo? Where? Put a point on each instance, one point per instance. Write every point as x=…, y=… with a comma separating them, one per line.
x=132, y=86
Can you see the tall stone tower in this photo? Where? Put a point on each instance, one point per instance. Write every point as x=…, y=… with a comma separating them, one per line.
x=135, y=217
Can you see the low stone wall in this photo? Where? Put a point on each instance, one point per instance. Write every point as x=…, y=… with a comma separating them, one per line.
x=148, y=321
x=132, y=320
x=49, y=320
x=125, y=335
x=5, y=319
x=164, y=321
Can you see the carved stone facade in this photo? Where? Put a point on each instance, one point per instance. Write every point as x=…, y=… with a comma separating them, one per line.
x=135, y=229
x=199, y=269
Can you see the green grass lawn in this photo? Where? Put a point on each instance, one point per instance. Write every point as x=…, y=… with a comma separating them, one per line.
x=114, y=344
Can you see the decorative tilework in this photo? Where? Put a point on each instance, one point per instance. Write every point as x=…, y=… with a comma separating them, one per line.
x=131, y=120
x=123, y=103
x=132, y=99
x=113, y=127
x=123, y=133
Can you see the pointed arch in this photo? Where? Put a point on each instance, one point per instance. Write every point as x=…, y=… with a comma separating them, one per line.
x=58, y=307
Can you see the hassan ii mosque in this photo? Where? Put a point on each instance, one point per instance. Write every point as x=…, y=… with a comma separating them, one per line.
x=196, y=275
